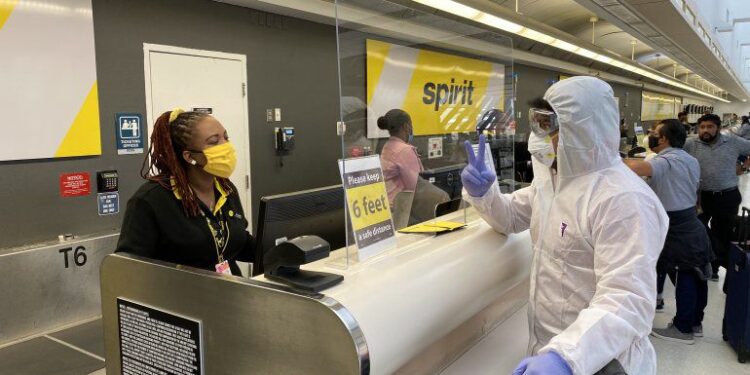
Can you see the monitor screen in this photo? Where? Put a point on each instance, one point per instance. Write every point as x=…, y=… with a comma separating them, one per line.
x=317, y=212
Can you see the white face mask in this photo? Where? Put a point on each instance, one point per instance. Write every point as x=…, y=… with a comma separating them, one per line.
x=542, y=150
x=546, y=157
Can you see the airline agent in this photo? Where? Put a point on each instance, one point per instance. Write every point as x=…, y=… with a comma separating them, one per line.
x=188, y=212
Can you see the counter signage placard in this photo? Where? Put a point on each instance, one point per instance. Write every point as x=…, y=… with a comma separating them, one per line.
x=368, y=206
x=157, y=342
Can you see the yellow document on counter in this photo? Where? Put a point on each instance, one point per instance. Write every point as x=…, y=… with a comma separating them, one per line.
x=436, y=227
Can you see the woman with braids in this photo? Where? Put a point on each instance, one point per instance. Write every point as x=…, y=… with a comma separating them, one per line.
x=188, y=212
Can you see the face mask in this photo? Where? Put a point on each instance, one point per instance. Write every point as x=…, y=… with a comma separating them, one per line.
x=220, y=160
x=411, y=138
x=653, y=142
x=546, y=157
x=542, y=150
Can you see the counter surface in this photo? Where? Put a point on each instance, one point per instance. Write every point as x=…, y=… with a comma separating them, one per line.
x=412, y=295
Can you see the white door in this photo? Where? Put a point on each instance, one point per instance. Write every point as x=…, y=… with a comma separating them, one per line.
x=188, y=79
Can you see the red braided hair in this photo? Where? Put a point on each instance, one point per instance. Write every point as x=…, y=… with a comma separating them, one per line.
x=164, y=162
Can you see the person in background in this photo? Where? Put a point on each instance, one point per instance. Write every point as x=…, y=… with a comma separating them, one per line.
x=683, y=118
x=399, y=158
x=592, y=282
x=188, y=212
x=674, y=177
x=743, y=129
x=720, y=199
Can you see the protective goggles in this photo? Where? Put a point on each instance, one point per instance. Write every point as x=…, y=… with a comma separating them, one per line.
x=543, y=121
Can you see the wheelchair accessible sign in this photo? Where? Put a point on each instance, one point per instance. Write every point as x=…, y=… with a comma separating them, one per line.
x=129, y=133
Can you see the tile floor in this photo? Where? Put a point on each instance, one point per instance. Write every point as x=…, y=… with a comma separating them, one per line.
x=709, y=355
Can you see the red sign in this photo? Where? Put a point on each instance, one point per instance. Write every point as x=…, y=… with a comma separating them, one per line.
x=75, y=184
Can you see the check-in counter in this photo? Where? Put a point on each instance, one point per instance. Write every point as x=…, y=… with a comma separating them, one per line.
x=415, y=308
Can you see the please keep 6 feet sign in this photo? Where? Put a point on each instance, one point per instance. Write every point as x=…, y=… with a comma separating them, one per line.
x=367, y=203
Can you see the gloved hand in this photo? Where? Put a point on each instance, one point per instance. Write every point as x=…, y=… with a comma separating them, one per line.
x=549, y=363
x=477, y=177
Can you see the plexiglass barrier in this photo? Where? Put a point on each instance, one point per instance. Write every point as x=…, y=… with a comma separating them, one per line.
x=416, y=83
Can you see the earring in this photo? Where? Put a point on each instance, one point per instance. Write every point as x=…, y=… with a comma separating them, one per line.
x=193, y=162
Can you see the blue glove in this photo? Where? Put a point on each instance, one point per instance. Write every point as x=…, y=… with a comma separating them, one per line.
x=549, y=363
x=476, y=177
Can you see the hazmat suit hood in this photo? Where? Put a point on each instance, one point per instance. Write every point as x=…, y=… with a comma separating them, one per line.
x=589, y=125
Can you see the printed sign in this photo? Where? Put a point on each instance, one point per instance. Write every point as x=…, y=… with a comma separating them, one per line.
x=129, y=133
x=442, y=93
x=367, y=202
x=109, y=203
x=157, y=342
x=75, y=184
x=435, y=148
x=655, y=106
x=206, y=110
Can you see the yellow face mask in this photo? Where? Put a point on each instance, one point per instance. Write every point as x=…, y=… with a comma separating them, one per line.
x=220, y=160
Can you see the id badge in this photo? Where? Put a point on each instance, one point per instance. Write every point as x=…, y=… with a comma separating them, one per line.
x=223, y=267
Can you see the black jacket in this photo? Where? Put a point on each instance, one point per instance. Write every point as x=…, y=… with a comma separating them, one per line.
x=687, y=245
x=155, y=226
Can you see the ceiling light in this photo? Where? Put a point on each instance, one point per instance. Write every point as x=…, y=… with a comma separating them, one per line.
x=537, y=36
x=465, y=11
x=587, y=54
x=496, y=22
x=606, y=60
x=456, y=8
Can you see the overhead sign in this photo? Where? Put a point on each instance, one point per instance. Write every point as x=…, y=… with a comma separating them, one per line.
x=129, y=133
x=443, y=93
x=75, y=184
x=368, y=206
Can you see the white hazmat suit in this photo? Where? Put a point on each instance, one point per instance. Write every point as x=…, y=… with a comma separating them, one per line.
x=597, y=230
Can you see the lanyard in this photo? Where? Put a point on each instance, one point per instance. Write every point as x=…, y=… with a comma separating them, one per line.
x=216, y=235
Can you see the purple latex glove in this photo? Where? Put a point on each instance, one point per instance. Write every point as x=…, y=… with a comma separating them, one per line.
x=549, y=363
x=477, y=177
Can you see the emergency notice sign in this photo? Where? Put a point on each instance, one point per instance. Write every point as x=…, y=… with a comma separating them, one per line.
x=75, y=184
x=367, y=202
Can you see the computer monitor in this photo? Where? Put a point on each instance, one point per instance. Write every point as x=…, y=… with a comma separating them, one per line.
x=317, y=212
x=447, y=178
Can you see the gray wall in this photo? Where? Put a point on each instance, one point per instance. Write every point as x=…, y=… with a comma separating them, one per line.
x=291, y=65
x=533, y=82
